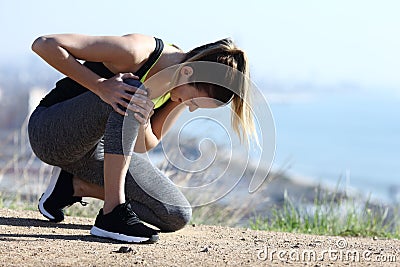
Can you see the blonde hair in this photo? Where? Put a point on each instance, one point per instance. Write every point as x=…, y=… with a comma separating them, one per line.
x=226, y=52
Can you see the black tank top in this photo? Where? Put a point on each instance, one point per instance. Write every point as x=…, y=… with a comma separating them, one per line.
x=67, y=88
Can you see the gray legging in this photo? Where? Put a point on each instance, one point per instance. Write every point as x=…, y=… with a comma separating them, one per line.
x=74, y=134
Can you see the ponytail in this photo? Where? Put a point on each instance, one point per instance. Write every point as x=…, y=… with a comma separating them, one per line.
x=226, y=52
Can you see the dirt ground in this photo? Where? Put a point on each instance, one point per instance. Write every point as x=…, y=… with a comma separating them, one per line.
x=26, y=239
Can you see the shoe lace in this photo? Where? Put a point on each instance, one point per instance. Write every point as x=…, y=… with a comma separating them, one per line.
x=76, y=200
x=84, y=203
x=129, y=216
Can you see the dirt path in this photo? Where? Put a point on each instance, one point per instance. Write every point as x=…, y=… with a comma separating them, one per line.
x=28, y=240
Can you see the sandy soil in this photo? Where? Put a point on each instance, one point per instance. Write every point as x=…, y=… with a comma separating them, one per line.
x=26, y=239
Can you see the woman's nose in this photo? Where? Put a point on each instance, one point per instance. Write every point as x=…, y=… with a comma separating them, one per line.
x=192, y=108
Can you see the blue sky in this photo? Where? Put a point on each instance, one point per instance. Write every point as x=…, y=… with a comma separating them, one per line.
x=323, y=42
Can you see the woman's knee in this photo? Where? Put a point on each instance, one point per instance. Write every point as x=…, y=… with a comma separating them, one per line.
x=120, y=134
x=176, y=219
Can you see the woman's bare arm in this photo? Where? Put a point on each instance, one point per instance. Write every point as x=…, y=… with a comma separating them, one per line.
x=63, y=51
x=146, y=140
x=160, y=123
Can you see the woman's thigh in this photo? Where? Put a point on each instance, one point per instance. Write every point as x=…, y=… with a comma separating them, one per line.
x=67, y=131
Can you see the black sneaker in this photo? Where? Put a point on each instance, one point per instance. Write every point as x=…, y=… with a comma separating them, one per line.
x=123, y=224
x=58, y=195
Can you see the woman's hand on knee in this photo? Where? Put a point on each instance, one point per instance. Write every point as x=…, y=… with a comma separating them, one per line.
x=118, y=94
x=142, y=106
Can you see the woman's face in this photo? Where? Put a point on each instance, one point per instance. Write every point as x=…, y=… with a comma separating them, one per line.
x=192, y=97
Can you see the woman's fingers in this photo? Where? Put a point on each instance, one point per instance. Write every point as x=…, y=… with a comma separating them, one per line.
x=129, y=87
x=120, y=77
x=119, y=94
x=118, y=110
x=140, y=118
x=138, y=109
x=141, y=100
x=134, y=90
x=127, y=75
x=142, y=108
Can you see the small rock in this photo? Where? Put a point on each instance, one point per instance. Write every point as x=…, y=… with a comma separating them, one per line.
x=295, y=246
x=194, y=225
x=243, y=239
x=205, y=249
x=124, y=250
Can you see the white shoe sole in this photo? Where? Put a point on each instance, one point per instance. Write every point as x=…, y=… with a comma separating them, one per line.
x=54, y=177
x=121, y=237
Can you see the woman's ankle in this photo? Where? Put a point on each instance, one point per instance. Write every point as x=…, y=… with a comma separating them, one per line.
x=77, y=186
x=109, y=206
x=83, y=188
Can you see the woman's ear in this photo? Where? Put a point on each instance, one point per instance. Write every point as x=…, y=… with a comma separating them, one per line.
x=187, y=71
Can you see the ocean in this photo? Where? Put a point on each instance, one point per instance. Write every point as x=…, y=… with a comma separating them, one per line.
x=351, y=138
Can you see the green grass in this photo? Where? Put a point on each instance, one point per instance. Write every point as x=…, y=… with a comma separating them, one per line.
x=213, y=215
x=16, y=202
x=210, y=215
x=90, y=210
x=330, y=215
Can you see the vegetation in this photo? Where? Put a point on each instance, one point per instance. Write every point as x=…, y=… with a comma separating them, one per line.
x=326, y=216
x=329, y=215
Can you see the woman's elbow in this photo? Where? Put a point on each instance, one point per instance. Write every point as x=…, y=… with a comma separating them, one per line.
x=41, y=43
x=38, y=43
x=145, y=147
x=151, y=146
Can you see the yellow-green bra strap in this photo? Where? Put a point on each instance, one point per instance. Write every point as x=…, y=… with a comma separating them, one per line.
x=159, y=101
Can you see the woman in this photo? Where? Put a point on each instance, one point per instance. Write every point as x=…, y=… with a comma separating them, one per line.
x=78, y=126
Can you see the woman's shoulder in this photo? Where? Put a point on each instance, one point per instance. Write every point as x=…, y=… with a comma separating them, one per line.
x=141, y=45
x=139, y=38
x=137, y=48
